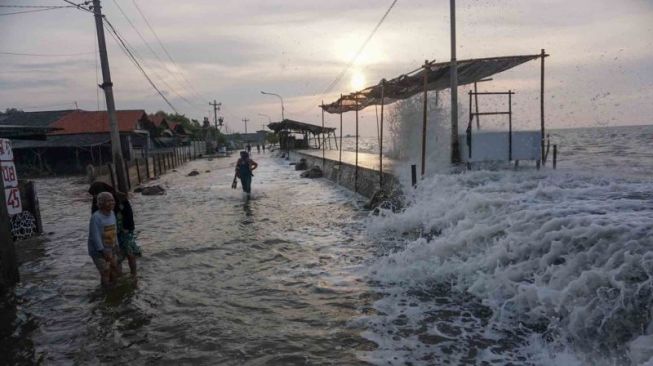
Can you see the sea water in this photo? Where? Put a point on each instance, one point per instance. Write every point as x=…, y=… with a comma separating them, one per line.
x=526, y=266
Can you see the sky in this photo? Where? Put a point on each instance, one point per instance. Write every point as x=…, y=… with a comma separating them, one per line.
x=599, y=73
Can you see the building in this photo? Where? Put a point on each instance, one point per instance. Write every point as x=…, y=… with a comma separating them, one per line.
x=78, y=138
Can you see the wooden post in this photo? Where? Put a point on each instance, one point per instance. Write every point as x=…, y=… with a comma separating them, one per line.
x=9, y=274
x=478, y=123
x=356, y=170
x=509, y=125
x=340, y=154
x=542, y=104
x=323, y=144
x=381, y=136
x=426, y=79
x=33, y=202
x=138, y=171
x=413, y=175
x=113, y=178
x=129, y=182
x=147, y=166
x=555, y=156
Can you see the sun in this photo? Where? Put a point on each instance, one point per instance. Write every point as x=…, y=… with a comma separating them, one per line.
x=357, y=80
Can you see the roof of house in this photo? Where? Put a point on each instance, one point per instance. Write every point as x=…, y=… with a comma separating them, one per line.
x=81, y=140
x=158, y=119
x=295, y=126
x=24, y=132
x=79, y=122
x=32, y=119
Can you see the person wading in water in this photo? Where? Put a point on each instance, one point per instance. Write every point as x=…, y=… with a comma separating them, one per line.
x=244, y=168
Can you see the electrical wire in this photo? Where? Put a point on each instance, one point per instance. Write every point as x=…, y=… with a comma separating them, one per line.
x=131, y=56
x=155, y=55
x=338, y=78
x=166, y=51
x=34, y=11
x=43, y=54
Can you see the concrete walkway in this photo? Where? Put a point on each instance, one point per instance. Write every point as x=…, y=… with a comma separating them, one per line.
x=365, y=160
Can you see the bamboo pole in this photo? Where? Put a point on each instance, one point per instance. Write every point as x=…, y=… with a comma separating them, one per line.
x=323, y=144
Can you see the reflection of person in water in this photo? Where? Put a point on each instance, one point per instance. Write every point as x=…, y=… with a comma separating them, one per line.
x=244, y=168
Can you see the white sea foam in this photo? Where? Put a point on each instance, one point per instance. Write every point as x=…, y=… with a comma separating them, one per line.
x=541, y=267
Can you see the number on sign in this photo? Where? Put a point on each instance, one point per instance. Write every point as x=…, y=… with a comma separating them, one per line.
x=8, y=173
x=13, y=200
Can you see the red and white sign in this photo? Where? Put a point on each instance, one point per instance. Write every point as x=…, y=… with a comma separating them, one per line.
x=14, y=206
x=9, y=175
x=9, y=178
x=5, y=150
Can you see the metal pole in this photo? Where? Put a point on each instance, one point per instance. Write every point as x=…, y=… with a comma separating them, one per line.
x=542, y=104
x=280, y=98
x=426, y=80
x=107, y=86
x=381, y=136
x=455, y=148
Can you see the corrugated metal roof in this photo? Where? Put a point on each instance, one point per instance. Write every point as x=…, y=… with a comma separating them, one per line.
x=288, y=124
x=407, y=85
x=32, y=119
x=79, y=140
x=79, y=122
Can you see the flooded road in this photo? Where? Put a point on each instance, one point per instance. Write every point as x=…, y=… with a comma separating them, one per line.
x=223, y=280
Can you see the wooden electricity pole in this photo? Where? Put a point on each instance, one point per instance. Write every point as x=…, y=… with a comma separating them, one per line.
x=245, y=120
x=107, y=86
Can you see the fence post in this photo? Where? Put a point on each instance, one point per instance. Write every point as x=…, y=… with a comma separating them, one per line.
x=33, y=202
x=413, y=175
x=113, y=177
x=555, y=156
x=129, y=181
x=138, y=170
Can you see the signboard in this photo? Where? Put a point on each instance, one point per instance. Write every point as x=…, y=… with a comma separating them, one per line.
x=9, y=178
x=5, y=150
x=9, y=174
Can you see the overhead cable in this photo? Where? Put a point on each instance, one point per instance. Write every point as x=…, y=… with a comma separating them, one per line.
x=131, y=56
x=165, y=50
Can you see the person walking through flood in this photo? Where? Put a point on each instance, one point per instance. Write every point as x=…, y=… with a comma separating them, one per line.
x=126, y=241
x=244, y=168
x=103, y=239
x=258, y=148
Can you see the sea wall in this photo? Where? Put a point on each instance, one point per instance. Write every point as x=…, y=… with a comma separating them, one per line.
x=344, y=174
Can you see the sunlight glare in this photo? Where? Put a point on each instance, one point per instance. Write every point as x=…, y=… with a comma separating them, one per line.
x=357, y=81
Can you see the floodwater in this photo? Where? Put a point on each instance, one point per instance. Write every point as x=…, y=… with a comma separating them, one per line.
x=223, y=280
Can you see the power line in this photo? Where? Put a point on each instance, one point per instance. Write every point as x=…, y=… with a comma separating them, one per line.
x=34, y=11
x=338, y=78
x=153, y=53
x=165, y=50
x=44, y=54
x=131, y=56
x=36, y=6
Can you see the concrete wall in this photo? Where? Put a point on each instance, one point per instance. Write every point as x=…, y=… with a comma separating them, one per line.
x=345, y=175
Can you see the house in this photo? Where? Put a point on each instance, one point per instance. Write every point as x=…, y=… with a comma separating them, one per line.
x=81, y=138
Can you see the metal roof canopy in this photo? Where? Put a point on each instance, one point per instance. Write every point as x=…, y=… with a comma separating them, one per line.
x=20, y=132
x=298, y=127
x=407, y=85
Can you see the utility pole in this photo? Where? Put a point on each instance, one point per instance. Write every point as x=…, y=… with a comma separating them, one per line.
x=245, y=120
x=107, y=86
x=453, y=69
x=216, y=107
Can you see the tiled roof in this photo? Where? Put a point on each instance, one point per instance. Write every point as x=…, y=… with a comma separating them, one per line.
x=96, y=122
